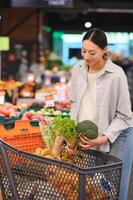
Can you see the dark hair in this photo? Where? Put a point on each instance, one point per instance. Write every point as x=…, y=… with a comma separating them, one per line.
x=97, y=36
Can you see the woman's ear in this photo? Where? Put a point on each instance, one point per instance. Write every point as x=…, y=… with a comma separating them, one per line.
x=108, y=53
x=105, y=50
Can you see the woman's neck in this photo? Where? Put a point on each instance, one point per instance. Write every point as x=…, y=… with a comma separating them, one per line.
x=97, y=67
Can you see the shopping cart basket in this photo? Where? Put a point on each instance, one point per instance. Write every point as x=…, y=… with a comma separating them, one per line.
x=25, y=176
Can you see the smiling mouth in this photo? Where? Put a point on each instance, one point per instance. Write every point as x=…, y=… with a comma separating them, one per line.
x=88, y=60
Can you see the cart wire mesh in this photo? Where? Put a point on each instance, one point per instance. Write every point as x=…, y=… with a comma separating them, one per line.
x=24, y=176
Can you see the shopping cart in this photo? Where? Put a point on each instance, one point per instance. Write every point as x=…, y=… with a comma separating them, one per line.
x=25, y=176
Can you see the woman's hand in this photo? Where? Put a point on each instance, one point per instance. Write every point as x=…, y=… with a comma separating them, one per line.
x=88, y=143
x=71, y=149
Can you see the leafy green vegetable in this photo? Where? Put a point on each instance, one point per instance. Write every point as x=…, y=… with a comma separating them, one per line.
x=48, y=136
x=65, y=127
x=88, y=129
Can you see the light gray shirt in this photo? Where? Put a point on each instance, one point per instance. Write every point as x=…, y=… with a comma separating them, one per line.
x=113, y=100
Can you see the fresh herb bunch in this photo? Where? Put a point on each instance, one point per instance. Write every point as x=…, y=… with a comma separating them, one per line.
x=65, y=127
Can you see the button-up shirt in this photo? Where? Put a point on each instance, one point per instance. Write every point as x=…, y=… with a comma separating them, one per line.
x=113, y=100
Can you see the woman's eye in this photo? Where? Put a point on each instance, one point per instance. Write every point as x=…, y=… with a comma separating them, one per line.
x=83, y=51
x=92, y=54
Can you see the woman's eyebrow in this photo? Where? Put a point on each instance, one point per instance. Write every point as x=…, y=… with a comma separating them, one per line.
x=91, y=50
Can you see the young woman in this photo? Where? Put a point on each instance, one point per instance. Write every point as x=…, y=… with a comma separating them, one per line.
x=99, y=92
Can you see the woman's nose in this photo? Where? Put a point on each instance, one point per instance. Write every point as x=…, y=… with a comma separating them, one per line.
x=87, y=57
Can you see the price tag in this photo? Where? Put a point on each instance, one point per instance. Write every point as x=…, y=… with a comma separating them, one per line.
x=49, y=100
x=40, y=96
x=47, y=80
x=26, y=94
x=2, y=97
x=31, y=77
x=55, y=95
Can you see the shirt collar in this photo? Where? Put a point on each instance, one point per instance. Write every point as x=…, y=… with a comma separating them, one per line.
x=109, y=67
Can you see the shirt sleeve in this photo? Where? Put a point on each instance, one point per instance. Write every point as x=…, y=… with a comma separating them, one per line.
x=123, y=118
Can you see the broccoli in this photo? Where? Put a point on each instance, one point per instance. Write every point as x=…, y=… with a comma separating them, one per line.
x=88, y=129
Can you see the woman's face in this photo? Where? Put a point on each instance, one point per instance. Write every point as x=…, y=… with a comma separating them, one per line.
x=92, y=54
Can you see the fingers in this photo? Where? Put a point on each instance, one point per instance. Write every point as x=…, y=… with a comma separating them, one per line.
x=85, y=146
x=70, y=150
x=84, y=139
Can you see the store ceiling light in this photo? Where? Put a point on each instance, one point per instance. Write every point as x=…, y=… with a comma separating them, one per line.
x=88, y=24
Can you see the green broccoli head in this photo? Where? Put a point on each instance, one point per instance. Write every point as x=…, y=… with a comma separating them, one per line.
x=88, y=129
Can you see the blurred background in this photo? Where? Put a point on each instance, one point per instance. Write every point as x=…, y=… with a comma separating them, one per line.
x=40, y=41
